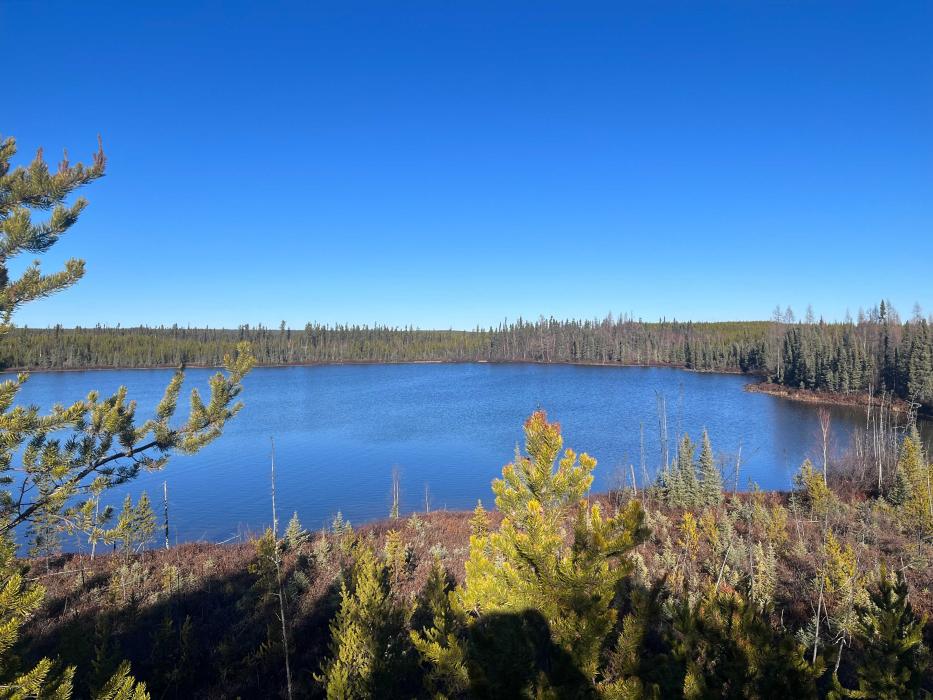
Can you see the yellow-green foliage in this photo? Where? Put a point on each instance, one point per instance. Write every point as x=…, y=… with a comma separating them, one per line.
x=123, y=686
x=776, y=529
x=896, y=660
x=136, y=525
x=709, y=529
x=917, y=509
x=366, y=634
x=397, y=554
x=842, y=585
x=438, y=644
x=18, y=602
x=479, y=522
x=729, y=649
x=689, y=534
x=623, y=681
x=527, y=563
x=764, y=575
x=840, y=568
x=814, y=490
x=61, y=481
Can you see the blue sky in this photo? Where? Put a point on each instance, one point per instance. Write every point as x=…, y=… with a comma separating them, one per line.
x=448, y=164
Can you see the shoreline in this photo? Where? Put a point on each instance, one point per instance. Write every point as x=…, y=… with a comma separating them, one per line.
x=809, y=396
x=338, y=363
x=828, y=398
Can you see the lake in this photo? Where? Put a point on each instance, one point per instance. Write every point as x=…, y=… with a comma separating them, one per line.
x=340, y=430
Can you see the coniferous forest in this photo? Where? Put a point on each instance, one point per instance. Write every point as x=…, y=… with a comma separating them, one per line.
x=877, y=353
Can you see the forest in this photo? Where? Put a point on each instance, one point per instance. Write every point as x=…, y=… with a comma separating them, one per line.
x=877, y=353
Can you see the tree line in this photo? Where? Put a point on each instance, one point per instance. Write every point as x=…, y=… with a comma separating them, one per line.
x=878, y=353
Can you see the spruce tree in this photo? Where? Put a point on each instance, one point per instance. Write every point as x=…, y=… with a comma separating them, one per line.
x=295, y=534
x=917, y=509
x=900, y=490
x=710, y=476
x=688, y=473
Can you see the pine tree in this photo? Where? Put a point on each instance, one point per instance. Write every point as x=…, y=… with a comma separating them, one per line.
x=730, y=650
x=123, y=686
x=764, y=576
x=710, y=476
x=18, y=602
x=642, y=664
x=527, y=564
x=369, y=644
x=894, y=661
x=397, y=554
x=135, y=526
x=105, y=445
x=816, y=494
x=106, y=441
x=438, y=643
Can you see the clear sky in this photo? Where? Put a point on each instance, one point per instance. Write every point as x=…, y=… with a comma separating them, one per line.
x=448, y=164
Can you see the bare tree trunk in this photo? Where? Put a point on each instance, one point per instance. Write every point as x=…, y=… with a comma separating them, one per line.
x=643, y=460
x=722, y=569
x=662, y=429
x=738, y=466
x=396, y=491
x=278, y=578
x=825, y=425
x=94, y=527
x=165, y=509
x=819, y=611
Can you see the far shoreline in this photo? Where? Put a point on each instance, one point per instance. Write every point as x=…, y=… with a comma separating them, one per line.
x=338, y=363
x=762, y=386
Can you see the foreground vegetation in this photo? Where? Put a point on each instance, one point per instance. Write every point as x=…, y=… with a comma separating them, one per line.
x=684, y=591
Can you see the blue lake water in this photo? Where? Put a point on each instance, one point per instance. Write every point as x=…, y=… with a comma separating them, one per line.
x=341, y=430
